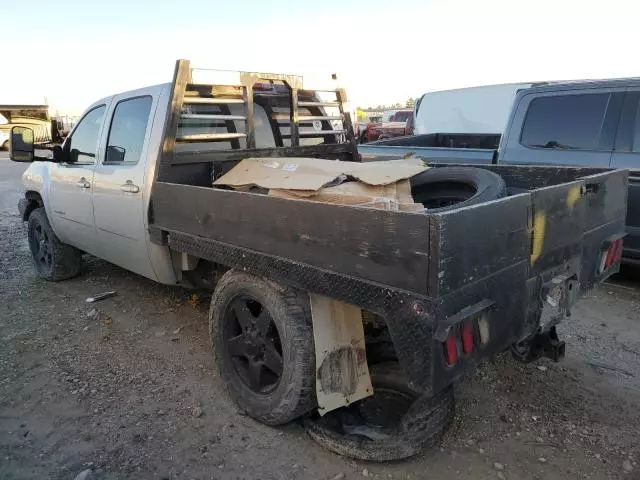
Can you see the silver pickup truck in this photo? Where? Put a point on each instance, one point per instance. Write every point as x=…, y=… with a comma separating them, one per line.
x=586, y=123
x=316, y=305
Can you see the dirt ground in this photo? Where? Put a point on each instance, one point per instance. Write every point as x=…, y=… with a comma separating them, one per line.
x=130, y=392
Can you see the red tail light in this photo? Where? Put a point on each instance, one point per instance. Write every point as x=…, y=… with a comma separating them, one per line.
x=611, y=255
x=467, y=338
x=451, y=350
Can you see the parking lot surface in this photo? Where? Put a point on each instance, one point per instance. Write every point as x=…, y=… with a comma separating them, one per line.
x=127, y=387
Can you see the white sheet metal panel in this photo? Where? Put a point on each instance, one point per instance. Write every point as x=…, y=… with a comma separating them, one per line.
x=483, y=109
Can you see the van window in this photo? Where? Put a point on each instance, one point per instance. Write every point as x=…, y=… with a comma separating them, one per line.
x=570, y=122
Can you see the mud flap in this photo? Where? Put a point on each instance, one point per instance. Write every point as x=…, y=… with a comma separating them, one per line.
x=342, y=373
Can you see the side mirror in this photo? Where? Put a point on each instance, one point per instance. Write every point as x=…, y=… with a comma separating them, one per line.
x=21, y=148
x=114, y=154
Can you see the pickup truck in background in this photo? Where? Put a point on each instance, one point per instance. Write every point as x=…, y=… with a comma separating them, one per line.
x=396, y=127
x=580, y=123
x=426, y=294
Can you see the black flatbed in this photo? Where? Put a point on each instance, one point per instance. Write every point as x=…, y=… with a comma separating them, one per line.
x=422, y=273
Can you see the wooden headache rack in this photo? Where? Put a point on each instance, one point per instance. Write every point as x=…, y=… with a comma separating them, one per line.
x=194, y=106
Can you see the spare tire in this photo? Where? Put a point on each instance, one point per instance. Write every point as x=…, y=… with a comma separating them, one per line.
x=395, y=423
x=444, y=188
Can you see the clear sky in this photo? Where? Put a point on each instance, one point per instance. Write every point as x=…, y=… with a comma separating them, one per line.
x=74, y=52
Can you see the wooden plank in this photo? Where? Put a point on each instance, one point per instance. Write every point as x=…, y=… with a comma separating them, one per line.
x=606, y=197
x=390, y=248
x=477, y=241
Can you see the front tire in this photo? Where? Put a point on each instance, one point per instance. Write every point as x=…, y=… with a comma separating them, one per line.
x=262, y=338
x=53, y=259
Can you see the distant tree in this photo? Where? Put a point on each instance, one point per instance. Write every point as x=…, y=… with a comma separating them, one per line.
x=410, y=103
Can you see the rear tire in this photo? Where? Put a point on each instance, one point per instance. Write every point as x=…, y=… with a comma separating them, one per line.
x=262, y=339
x=421, y=426
x=53, y=259
x=445, y=188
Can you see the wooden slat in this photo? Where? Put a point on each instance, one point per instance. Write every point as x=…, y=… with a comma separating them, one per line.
x=390, y=248
x=501, y=238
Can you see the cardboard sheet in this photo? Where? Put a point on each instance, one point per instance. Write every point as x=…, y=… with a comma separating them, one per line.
x=311, y=174
x=395, y=196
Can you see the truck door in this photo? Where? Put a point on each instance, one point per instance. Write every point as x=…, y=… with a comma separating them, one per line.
x=626, y=154
x=71, y=184
x=564, y=127
x=119, y=194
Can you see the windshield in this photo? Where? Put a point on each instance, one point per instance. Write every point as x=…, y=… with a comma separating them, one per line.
x=402, y=116
x=386, y=116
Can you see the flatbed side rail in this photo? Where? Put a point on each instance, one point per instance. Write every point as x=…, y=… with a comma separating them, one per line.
x=386, y=247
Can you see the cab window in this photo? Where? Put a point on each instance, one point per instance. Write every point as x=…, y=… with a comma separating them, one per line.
x=82, y=145
x=566, y=122
x=127, y=131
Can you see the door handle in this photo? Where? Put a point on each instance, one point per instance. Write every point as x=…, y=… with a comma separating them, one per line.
x=82, y=183
x=129, y=187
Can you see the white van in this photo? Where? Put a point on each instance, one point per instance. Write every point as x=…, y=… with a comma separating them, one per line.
x=482, y=109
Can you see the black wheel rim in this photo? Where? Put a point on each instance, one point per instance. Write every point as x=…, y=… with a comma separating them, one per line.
x=253, y=344
x=42, y=247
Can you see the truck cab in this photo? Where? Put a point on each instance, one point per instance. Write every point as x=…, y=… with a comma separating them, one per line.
x=96, y=193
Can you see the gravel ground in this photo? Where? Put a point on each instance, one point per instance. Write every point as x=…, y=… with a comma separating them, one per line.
x=126, y=387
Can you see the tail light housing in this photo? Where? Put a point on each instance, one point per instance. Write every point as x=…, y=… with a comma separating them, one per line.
x=467, y=338
x=465, y=332
x=451, y=350
x=462, y=339
x=611, y=255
